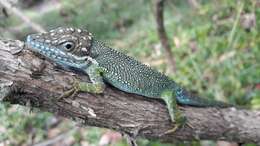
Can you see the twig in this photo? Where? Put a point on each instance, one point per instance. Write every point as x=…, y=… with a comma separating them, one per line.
x=162, y=34
x=17, y=12
x=235, y=25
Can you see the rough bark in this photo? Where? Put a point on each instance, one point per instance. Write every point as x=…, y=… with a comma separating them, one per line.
x=25, y=77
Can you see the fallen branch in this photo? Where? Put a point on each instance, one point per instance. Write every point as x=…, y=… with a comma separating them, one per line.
x=25, y=78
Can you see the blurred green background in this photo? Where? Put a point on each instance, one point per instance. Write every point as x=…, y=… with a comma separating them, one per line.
x=216, y=45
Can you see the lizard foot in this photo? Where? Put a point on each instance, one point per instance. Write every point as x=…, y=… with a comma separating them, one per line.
x=71, y=92
x=178, y=125
x=179, y=121
x=78, y=86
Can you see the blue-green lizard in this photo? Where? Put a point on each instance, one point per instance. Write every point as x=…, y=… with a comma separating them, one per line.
x=76, y=49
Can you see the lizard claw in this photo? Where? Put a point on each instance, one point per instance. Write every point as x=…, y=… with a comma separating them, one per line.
x=71, y=92
x=177, y=125
x=180, y=121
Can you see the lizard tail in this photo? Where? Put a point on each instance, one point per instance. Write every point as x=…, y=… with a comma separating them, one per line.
x=185, y=98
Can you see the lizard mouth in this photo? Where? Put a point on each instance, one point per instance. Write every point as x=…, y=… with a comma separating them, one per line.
x=53, y=53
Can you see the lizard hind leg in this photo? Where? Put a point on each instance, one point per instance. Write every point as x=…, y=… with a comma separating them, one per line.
x=175, y=114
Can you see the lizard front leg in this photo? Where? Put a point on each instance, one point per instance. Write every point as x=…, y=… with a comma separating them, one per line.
x=175, y=114
x=96, y=86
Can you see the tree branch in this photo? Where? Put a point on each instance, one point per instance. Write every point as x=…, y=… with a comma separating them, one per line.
x=23, y=17
x=159, y=5
x=25, y=77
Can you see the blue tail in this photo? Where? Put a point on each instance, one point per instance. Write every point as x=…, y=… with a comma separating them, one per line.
x=185, y=98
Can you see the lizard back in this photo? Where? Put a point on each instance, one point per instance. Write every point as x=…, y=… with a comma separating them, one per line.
x=128, y=74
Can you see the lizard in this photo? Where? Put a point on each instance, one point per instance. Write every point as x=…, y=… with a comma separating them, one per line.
x=76, y=49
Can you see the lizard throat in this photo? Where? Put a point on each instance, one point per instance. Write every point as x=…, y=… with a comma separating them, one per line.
x=62, y=58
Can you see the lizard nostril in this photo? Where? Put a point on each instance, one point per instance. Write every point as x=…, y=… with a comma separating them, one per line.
x=30, y=38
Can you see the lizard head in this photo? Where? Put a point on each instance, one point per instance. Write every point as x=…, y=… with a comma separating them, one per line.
x=66, y=46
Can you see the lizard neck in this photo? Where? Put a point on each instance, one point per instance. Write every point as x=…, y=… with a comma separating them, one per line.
x=98, y=48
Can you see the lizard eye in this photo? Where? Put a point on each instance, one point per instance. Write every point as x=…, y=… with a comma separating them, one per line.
x=68, y=46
